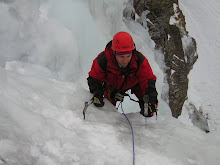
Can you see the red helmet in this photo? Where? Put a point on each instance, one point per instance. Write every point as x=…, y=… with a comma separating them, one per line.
x=122, y=42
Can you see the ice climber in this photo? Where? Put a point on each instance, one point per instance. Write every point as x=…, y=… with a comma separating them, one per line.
x=121, y=67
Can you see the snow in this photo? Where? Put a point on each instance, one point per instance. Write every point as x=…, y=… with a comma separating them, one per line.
x=47, y=48
x=186, y=40
x=202, y=22
x=174, y=18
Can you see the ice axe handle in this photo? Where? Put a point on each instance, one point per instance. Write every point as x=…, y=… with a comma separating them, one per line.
x=86, y=106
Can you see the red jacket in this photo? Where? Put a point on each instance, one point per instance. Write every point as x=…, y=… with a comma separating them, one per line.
x=105, y=70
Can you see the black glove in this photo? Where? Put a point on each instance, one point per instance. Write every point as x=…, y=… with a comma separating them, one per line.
x=117, y=95
x=98, y=99
x=152, y=92
x=148, y=109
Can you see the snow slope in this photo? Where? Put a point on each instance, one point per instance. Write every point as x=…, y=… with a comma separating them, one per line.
x=42, y=124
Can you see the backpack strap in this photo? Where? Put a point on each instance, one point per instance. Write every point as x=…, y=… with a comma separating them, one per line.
x=108, y=44
x=102, y=61
x=140, y=58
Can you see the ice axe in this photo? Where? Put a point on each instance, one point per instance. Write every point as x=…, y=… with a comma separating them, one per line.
x=87, y=103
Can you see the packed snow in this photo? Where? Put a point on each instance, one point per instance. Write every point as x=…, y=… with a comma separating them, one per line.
x=47, y=48
x=203, y=24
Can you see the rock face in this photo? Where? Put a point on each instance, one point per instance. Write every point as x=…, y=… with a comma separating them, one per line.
x=166, y=24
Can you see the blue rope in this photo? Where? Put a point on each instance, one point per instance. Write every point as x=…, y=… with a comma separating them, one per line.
x=131, y=132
